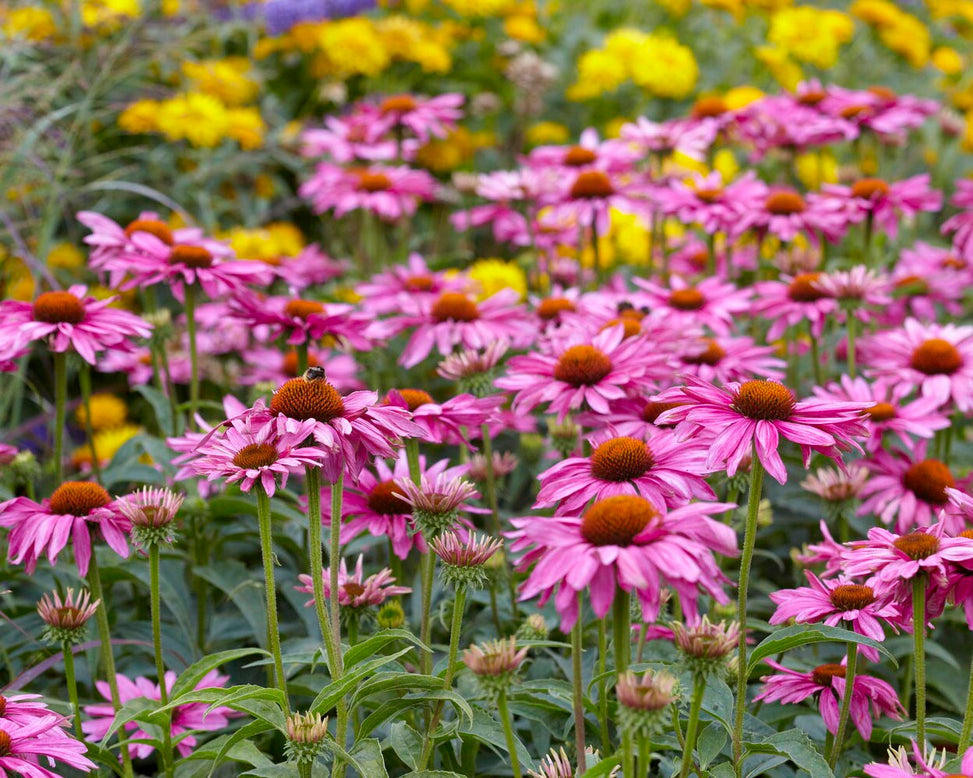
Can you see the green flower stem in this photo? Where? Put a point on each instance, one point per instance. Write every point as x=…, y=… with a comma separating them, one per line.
x=852, y=323
x=603, y=683
x=334, y=561
x=851, y=667
x=84, y=379
x=428, y=570
x=160, y=668
x=816, y=360
x=107, y=656
x=622, y=624
x=508, y=733
x=578, y=685
x=72, y=682
x=964, y=738
x=190, y=306
x=456, y=627
x=919, y=654
x=304, y=769
x=313, y=488
x=692, y=727
x=412, y=457
x=645, y=755
x=270, y=590
x=596, y=252
x=60, y=403
x=628, y=755
x=746, y=558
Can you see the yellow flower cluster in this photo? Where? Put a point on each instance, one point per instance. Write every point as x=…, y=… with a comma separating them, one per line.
x=28, y=23
x=493, y=275
x=810, y=34
x=108, y=14
x=225, y=79
x=201, y=119
x=110, y=427
x=267, y=243
x=902, y=32
x=657, y=63
x=481, y=8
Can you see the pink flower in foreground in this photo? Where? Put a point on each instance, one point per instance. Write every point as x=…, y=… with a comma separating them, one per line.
x=355, y=590
x=624, y=541
x=870, y=698
x=926, y=765
x=23, y=748
x=186, y=719
x=754, y=415
x=388, y=192
x=71, y=513
x=67, y=320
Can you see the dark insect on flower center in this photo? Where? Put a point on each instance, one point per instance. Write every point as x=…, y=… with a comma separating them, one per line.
x=881, y=412
x=78, y=498
x=617, y=521
x=869, y=188
x=917, y=545
x=58, y=308
x=764, y=400
x=621, y=459
x=373, y=182
x=852, y=597
x=936, y=357
x=195, y=257
x=687, y=299
x=592, y=185
x=301, y=399
x=582, y=366
x=302, y=309
x=712, y=355
x=153, y=227
x=398, y=104
x=803, y=290
x=707, y=107
x=579, y=156
x=383, y=499
x=823, y=674
x=785, y=202
x=928, y=481
x=255, y=455
x=553, y=307
x=454, y=306
x=415, y=398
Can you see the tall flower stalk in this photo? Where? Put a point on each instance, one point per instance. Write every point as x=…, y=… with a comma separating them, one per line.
x=851, y=667
x=270, y=589
x=919, y=653
x=60, y=403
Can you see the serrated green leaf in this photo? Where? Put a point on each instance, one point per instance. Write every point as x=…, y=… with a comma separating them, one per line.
x=407, y=743
x=709, y=743
x=193, y=674
x=804, y=634
x=603, y=768
x=368, y=759
x=798, y=748
x=328, y=697
x=376, y=643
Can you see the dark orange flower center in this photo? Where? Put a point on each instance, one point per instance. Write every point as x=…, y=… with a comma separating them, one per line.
x=917, y=545
x=302, y=399
x=617, y=521
x=803, y=290
x=967, y=533
x=687, y=299
x=153, y=227
x=373, y=182
x=255, y=455
x=630, y=325
x=398, y=104
x=764, y=400
x=709, y=107
x=58, y=308
x=454, y=306
x=928, y=481
x=881, y=412
x=382, y=499
x=78, y=498
x=419, y=283
x=653, y=410
x=582, y=366
x=190, y=256
x=914, y=285
x=709, y=195
x=415, y=397
x=785, y=202
x=882, y=91
x=354, y=589
x=579, y=156
x=852, y=597
x=851, y=111
x=936, y=357
x=712, y=355
x=553, y=307
x=6, y=746
x=621, y=459
x=822, y=674
x=954, y=263
x=289, y=367
x=590, y=185
x=301, y=309
x=812, y=97
x=3, y=705
x=869, y=188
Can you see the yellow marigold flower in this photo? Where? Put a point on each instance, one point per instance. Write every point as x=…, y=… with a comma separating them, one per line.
x=816, y=167
x=287, y=238
x=353, y=47
x=246, y=127
x=876, y=13
x=65, y=256
x=442, y=155
x=481, y=8
x=725, y=163
x=432, y=57
x=493, y=275
x=108, y=14
x=613, y=127
x=21, y=288
x=785, y=71
x=734, y=7
x=666, y=68
x=741, y=96
x=598, y=72
x=171, y=7
x=967, y=143
x=810, y=34
x=948, y=60
x=768, y=5
x=631, y=238
x=676, y=8
x=908, y=37
x=200, y=119
x=523, y=27
x=627, y=43
x=105, y=444
x=546, y=133
x=225, y=79
x=140, y=117
x=400, y=34
x=107, y=412
x=29, y=22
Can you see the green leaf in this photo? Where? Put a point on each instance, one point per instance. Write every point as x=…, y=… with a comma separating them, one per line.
x=389, y=709
x=376, y=643
x=368, y=759
x=328, y=697
x=161, y=407
x=709, y=743
x=603, y=768
x=288, y=770
x=488, y=731
x=432, y=774
x=193, y=674
x=803, y=634
x=798, y=748
x=139, y=709
x=406, y=742
x=386, y=682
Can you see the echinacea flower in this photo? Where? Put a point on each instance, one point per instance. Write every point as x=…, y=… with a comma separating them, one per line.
x=72, y=512
x=495, y=663
x=754, y=415
x=20, y=709
x=870, y=698
x=706, y=647
x=726, y=359
x=185, y=719
x=451, y=421
x=887, y=203
x=424, y=117
x=151, y=512
x=643, y=700
x=474, y=370
x=859, y=291
x=464, y=560
x=711, y=303
x=828, y=552
x=436, y=500
x=837, y=487
x=65, y=618
x=390, y=290
x=961, y=225
x=927, y=764
x=555, y=764
x=388, y=192
x=302, y=320
x=355, y=590
x=68, y=320
x=306, y=733
x=793, y=301
x=22, y=748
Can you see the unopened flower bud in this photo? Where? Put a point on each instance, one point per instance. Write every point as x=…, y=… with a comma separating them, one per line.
x=643, y=701
x=533, y=628
x=305, y=737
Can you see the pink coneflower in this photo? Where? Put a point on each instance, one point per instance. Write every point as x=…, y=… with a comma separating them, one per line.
x=151, y=513
x=937, y=359
x=870, y=698
x=578, y=371
x=908, y=488
x=828, y=552
x=424, y=117
x=388, y=192
x=301, y=320
x=71, y=513
x=445, y=422
x=927, y=765
x=185, y=445
x=273, y=366
x=345, y=139
x=589, y=197
x=885, y=202
x=21, y=709
x=781, y=122
x=23, y=747
x=858, y=290
x=392, y=290
x=961, y=225
x=926, y=277
x=436, y=500
x=709, y=202
x=309, y=267
x=754, y=415
x=793, y=301
x=455, y=319
x=726, y=359
x=633, y=417
x=835, y=485
x=711, y=303
x=474, y=370
x=785, y=214
x=186, y=719
x=691, y=137
x=68, y=320
x=590, y=152
x=623, y=541
x=65, y=619
x=660, y=467
x=838, y=602
x=355, y=590
x=252, y=449
x=877, y=109
x=464, y=558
